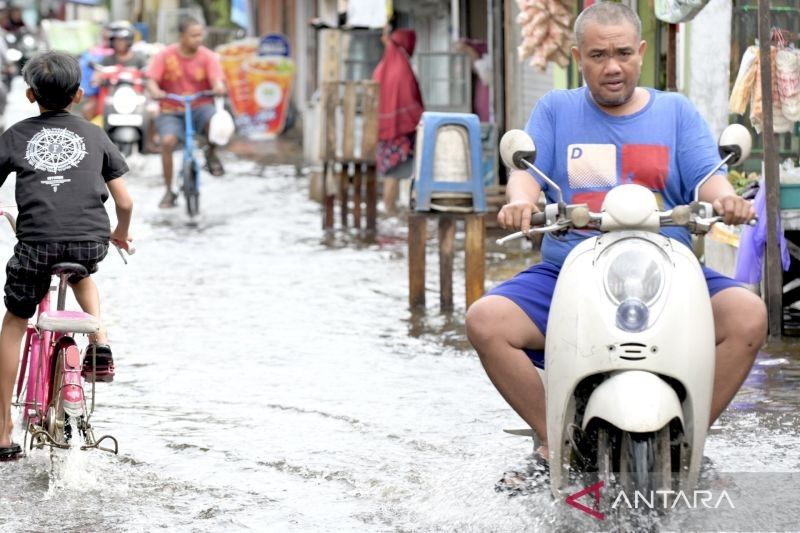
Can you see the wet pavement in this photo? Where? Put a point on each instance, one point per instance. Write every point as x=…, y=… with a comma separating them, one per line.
x=271, y=378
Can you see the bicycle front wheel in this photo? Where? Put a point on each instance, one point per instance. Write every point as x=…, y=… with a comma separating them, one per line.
x=191, y=188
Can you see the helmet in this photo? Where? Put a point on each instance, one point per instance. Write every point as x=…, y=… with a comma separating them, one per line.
x=121, y=30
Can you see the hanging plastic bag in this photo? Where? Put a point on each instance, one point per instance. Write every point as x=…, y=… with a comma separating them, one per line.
x=675, y=11
x=745, y=78
x=756, y=100
x=221, y=126
x=788, y=81
x=780, y=124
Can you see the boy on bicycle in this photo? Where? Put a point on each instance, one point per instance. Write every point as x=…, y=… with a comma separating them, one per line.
x=65, y=169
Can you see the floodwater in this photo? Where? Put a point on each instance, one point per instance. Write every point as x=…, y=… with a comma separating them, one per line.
x=272, y=379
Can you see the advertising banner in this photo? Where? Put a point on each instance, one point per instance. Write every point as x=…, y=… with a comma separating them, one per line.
x=259, y=74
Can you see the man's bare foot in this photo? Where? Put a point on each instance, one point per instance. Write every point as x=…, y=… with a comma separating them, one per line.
x=544, y=452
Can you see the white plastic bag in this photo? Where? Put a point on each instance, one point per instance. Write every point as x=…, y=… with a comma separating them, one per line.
x=675, y=11
x=788, y=81
x=221, y=126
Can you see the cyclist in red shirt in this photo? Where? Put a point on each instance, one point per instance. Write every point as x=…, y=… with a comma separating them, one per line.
x=186, y=67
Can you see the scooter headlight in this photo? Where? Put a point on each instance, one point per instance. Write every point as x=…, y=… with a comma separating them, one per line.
x=635, y=270
x=125, y=100
x=633, y=315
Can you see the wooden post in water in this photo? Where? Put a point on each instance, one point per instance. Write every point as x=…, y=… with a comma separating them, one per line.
x=330, y=95
x=357, y=197
x=774, y=273
x=475, y=256
x=417, y=237
x=369, y=146
x=447, y=242
x=372, y=199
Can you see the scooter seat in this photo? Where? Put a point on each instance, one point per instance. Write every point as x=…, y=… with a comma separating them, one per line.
x=68, y=322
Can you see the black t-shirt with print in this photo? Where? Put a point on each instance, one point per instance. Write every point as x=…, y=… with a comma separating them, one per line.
x=62, y=163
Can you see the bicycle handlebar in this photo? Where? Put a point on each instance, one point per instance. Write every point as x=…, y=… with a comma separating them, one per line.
x=13, y=223
x=187, y=98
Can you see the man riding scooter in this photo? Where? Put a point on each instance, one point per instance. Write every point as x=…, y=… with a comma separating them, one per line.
x=589, y=140
x=119, y=37
x=120, y=100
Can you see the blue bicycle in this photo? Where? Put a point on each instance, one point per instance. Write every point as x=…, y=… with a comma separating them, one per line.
x=190, y=171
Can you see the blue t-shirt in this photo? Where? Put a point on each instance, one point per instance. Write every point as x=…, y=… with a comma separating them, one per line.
x=666, y=147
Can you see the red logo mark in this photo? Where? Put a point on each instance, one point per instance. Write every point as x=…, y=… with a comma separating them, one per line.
x=593, y=511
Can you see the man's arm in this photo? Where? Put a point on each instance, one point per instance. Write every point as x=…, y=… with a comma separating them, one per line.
x=154, y=90
x=216, y=77
x=522, y=193
x=719, y=192
x=124, y=208
x=154, y=74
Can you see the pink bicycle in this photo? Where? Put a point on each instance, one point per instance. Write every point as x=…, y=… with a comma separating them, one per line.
x=51, y=385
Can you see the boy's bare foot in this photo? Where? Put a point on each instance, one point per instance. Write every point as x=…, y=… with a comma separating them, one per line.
x=6, y=428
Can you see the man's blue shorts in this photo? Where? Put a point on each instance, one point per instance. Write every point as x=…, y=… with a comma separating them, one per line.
x=174, y=123
x=532, y=290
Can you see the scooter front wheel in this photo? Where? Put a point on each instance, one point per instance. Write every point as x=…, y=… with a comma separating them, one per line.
x=645, y=461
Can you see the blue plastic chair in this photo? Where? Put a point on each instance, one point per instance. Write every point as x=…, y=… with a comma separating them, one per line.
x=426, y=184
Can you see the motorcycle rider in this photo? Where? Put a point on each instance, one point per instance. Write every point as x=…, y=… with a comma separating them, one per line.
x=630, y=134
x=121, y=35
x=13, y=20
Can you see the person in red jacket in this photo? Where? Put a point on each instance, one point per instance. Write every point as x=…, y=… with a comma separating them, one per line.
x=399, y=110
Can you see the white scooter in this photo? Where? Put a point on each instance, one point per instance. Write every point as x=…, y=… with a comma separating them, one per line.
x=630, y=336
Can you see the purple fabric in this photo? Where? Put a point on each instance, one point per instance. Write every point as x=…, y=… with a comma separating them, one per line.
x=753, y=242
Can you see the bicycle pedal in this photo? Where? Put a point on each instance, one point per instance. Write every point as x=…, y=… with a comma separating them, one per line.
x=101, y=374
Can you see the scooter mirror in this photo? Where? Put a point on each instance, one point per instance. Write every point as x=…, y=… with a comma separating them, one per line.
x=515, y=146
x=735, y=141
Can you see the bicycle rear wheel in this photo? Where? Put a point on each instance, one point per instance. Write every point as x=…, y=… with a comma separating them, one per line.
x=66, y=404
x=191, y=187
x=56, y=418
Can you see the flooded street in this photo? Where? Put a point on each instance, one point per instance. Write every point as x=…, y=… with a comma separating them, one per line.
x=272, y=379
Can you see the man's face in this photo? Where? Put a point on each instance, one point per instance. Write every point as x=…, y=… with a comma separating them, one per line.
x=610, y=58
x=192, y=37
x=120, y=46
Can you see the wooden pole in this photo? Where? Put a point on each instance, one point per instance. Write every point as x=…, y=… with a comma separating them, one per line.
x=417, y=237
x=357, y=197
x=672, y=84
x=475, y=256
x=344, y=184
x=327, y=197
x=774, y=274
x=447, y=240
x=372, y=199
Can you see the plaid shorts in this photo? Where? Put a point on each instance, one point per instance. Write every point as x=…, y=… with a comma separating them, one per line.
x=29, y=271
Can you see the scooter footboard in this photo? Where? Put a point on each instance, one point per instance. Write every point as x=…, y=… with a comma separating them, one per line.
x=634, y=401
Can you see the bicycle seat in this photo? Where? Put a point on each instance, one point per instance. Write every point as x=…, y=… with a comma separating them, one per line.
x=69, y=269
x=68, y=321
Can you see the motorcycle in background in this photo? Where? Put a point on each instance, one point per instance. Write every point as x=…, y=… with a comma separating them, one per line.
x=121, y=100
x=21, y=45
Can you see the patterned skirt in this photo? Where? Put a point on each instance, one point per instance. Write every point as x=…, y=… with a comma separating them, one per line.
x=393, y=152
